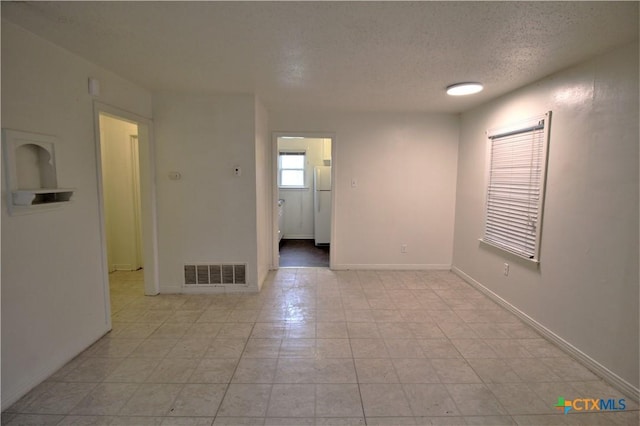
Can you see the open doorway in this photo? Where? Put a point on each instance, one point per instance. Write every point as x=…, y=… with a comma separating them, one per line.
x=120, y=168
x=304, y=194
x=126, y=186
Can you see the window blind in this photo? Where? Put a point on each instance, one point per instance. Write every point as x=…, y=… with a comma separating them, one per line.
x=515, y=189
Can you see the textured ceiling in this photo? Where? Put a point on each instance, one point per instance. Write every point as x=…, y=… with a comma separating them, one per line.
x=396, y=56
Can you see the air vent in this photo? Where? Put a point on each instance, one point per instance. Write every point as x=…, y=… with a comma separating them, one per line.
x=215, y=274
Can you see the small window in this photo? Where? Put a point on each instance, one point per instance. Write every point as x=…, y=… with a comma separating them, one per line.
x=515, y=187
x=291, y=169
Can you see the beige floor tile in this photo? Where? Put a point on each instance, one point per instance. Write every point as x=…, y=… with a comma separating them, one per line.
x=363, y=330
x=475, y=399
x=151, y=400
x=532, y=370
x=334, y=370
x=269, y=330
x=318, y=339
x=187, y=421
x=133, y=370
x=438, y=348
x=56, y=398
x=34, y=419
x=262, y=348
x=415, y=370
x=301, y=330
x=489, y=421
x=369, y=348
x=455, y=371
x=390, y=421
x=255, y=370
x=154, y=348
x=473, y=348
x=493, y=370
x=338, y=400
x=292, y=400
x=105, y=399
x=198, y=400
x=173, y=370
x=376, y=370
x=340, y=421
x=298, y=348
x=519, y=398
x=214, y=370
x=93, y=370
x=295, y=370
x=395, y=330
x=171, y=331
x=238, y=421
x=333, y=348
x=384, y=400
x=331, y=330
x=203, y=329
x=404, y=348
x=225, y=348
x=430, y=400
x=245, y=400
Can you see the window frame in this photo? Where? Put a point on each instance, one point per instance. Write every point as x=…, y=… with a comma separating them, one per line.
x=303, y=153
x=536, y=126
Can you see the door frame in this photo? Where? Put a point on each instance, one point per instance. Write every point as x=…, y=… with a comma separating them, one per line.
x=148, y=197
x=275, y=252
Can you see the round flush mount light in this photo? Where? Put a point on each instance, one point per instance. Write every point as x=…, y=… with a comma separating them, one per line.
x=462, y=89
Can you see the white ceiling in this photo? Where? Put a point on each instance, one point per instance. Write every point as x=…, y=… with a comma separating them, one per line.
x=396, y=56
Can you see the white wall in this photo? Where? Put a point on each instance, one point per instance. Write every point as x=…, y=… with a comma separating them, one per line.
x=586, y=288
x=121, y=207
x=298, y=206
x=53, y=296
x=208, y=216
x=263, y=191
x=405, y=168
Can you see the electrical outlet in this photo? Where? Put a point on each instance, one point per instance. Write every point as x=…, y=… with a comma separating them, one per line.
x=506, y=269
x=403, y=248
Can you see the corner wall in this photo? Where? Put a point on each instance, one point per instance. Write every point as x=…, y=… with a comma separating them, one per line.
x=404, y=165
x=54, y=300
x=263, y=191
x=209, y=215
x=586, y=288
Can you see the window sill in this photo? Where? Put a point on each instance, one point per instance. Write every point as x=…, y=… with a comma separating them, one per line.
x=530, y=261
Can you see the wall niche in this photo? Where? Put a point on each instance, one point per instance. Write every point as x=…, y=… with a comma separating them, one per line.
x=30, y=172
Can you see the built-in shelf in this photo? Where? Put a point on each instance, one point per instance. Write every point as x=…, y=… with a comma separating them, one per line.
x=30, y=170
x=32, y=197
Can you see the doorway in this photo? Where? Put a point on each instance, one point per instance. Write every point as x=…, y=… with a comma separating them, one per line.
x=121, y=193
x=126, y=188
x=304, y=194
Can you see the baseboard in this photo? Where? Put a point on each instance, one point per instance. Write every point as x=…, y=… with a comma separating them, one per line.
x=298, y=237
x=11, y=396
x=391, y=267
x=600, y=370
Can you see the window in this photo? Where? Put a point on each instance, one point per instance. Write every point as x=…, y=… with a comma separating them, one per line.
x=515, y=188
x=291, y=169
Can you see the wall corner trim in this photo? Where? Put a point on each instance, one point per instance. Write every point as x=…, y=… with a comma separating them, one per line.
x=600, y=370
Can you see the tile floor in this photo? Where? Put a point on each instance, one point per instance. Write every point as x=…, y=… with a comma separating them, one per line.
x=317, y=347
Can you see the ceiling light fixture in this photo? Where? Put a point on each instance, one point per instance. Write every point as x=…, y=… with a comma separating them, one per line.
x=462, y=89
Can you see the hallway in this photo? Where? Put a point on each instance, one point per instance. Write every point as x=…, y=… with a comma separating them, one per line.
x=317, y=347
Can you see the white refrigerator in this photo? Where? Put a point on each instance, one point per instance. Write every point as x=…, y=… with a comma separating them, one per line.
x=322, y=204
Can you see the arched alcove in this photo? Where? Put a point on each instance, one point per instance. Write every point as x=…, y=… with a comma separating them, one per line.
x=35, y=167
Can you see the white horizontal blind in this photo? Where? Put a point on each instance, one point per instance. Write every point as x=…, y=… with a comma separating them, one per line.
x=516, y=188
